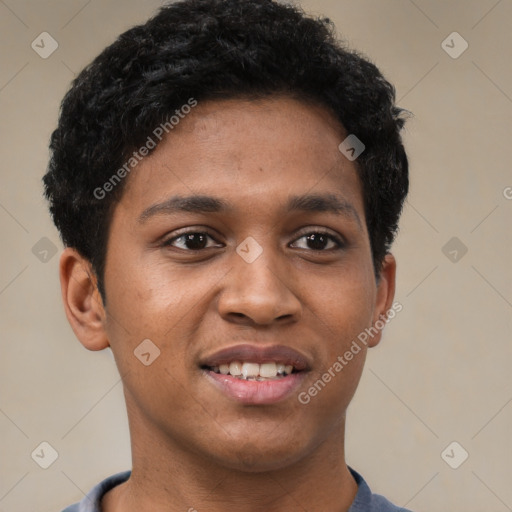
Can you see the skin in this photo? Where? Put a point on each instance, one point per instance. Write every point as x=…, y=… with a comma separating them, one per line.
x=192, y=446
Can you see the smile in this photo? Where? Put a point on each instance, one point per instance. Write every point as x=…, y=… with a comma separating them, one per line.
x=254, y=371
x=256, y=374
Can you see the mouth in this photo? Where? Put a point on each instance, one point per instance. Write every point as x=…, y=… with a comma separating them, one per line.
x=253, y=371
x=256, y=374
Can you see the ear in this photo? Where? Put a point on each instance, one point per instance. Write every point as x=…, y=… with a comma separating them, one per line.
x=384, y=297
x=82, y=301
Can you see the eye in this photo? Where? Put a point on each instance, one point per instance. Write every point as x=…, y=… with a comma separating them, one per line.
x=191, y=241
x=320, y=240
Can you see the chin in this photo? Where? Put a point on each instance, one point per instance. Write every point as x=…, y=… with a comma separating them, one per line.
x=257, y=457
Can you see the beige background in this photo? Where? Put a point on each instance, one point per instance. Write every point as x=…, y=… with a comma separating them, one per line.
x=442, y=372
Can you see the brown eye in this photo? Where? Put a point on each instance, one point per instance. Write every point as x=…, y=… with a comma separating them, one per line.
x=192, y=241
x=319, y=241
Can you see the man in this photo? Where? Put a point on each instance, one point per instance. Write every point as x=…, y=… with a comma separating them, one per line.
x=227, y=180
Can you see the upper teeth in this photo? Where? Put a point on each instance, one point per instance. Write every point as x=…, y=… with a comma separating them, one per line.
x=245, y=370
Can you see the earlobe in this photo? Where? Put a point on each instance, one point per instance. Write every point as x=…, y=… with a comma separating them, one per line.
x=384, y=297
x=82, y=301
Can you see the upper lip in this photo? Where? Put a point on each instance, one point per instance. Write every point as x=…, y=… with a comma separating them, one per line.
x=258, y=354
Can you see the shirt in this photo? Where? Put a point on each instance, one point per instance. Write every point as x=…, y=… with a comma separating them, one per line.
x=365, y=500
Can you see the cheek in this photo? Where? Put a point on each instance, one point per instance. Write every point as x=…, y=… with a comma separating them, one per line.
x=346, y=304
x=150, y=302
x=145, y=299
x=333, y=382
x=343, y=311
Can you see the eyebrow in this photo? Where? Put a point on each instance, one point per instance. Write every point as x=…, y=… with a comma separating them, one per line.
x=323, y=203
x=176, y=204
x=207, y=204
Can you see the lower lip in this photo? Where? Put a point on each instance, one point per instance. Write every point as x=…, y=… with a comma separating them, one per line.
x=256, y=392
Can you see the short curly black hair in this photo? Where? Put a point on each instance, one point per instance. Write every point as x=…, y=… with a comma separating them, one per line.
x=214, y=49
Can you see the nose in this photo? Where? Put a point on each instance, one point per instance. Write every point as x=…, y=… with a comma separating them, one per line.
x=258, y=293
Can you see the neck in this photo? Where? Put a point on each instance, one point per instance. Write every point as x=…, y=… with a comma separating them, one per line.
x=166, y=477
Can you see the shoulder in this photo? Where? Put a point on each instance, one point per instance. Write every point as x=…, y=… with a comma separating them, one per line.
x=366, y=501
x=72, y=508
x=91, y=502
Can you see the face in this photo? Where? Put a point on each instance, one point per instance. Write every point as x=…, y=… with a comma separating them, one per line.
x=270, y=265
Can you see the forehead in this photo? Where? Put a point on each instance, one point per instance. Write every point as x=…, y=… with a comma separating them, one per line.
x=249, y=152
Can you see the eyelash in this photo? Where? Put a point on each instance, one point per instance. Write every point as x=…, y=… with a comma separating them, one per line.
x=340, y=244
